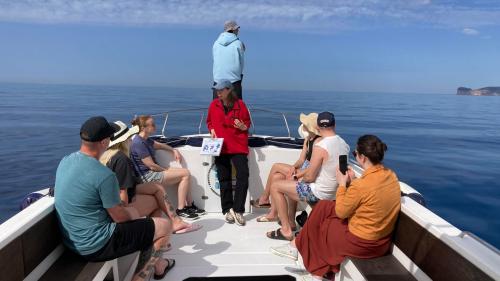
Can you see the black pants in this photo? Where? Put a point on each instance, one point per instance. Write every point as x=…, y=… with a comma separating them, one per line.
x=237, y=90
x=223, y=164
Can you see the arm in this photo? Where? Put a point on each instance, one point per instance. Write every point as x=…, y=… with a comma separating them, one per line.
x=120, y=213
x=302, y=156
x=209, y=121
x=347, y=200
x=310, y=174
x=110, y=199
x=148, y=161
x=166, y=147
x=243, y=123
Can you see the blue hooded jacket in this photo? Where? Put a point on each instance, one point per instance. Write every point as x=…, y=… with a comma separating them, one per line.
x=228, y=53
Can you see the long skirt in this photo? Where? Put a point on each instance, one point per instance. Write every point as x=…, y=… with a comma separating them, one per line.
x=325, y=241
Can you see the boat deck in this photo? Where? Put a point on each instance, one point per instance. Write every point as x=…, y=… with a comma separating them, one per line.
x=222, y=249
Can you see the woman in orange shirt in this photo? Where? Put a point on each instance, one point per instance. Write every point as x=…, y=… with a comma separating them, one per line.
x=359, y=223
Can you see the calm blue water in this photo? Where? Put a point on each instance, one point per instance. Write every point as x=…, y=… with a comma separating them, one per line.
x=445, y=146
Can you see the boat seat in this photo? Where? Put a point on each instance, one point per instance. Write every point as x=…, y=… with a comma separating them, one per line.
x=38, y=253
x=426, y=254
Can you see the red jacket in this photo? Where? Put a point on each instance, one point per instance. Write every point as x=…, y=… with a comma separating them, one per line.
x=235, y=140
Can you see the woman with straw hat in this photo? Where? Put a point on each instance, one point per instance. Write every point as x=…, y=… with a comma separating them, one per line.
x=280, y=171
x=148, y=198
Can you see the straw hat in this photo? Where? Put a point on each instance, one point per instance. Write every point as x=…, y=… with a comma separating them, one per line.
x=308, y=121
x=122, y=132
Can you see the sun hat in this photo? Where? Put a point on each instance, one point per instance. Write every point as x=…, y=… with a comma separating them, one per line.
x=326, y=119
x=230, y=25
x=222, y=84
x=122, y=132
x=308, y=121
x=96, y=129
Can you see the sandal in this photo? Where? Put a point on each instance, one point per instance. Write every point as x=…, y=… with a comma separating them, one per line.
x=294, y=228
x=266, y=219
x=256, y=204
x=277, y=235
x=170, y=264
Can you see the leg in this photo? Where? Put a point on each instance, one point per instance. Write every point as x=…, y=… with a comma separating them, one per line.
x=240, y=162
x=182, y=177
x=237, y=89
x=145, y=205
x=278, y=172
x=223, y=164
x=272, y=211
x=292, y=209
x=278, y=191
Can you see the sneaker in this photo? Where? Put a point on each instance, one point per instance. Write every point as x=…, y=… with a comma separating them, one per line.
x=229, y=217
x=238, y=217
x=186, y=213
x=286, y=251
x=196, y=210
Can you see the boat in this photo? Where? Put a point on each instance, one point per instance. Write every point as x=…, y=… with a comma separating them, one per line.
x=425, y=247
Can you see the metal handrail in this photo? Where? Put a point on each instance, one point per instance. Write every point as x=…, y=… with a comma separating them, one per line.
x=203, y=109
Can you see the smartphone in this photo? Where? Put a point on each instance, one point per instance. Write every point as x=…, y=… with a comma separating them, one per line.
x=343, y=164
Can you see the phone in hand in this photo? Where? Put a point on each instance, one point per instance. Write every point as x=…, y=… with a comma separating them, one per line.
x=343, y=164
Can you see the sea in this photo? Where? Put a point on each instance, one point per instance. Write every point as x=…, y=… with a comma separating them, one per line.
x=445, y=146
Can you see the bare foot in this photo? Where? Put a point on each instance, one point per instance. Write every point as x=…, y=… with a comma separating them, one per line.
x=179, y=224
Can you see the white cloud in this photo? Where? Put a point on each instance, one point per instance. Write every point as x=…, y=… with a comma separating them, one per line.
x=470, y=31
x=295, y=15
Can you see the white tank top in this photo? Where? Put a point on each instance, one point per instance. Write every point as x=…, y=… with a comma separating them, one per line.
x=325, y=185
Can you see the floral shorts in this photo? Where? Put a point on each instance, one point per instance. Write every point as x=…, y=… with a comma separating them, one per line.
x=305, y=193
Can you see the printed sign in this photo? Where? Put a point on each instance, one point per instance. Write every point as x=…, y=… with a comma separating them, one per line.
x=211, y=146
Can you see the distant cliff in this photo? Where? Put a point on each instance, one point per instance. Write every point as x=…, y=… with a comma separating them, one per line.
x=487, y=91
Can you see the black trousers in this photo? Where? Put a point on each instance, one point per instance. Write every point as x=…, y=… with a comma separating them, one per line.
x=237, y=90
x=223, y=164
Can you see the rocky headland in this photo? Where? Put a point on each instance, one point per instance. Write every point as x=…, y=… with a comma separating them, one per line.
x=486, y=91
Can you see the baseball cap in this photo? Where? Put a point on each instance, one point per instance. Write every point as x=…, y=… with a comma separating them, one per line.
x=96, y=129
x=326, y=119
x=222, y=84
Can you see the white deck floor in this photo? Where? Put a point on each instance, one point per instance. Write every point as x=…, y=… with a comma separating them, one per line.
x=221, y=249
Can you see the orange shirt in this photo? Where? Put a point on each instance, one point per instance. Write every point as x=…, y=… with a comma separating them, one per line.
x=371, y=203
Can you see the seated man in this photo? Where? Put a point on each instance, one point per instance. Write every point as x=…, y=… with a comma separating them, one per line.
x=94, y=223
x=317, y=182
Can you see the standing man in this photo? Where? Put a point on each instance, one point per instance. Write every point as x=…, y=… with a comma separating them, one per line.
x=228, y=54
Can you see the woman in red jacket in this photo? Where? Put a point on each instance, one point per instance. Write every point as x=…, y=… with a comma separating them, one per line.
x=228, y=118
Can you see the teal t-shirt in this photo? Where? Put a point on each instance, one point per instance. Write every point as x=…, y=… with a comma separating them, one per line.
x=84, y=189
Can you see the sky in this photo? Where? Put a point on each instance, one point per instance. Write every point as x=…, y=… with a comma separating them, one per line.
x=407, y=46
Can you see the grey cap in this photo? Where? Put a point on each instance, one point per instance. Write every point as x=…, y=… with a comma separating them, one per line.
x=222, y=84
x=230, y=25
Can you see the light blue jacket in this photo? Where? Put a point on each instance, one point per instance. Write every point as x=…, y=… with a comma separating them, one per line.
x=228, y=53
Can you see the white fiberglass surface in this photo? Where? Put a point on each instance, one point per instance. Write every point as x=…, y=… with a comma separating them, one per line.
x=221, y=249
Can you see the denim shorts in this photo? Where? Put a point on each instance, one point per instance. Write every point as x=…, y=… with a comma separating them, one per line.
x=152, y=176
x=305, y=193
x=305, y=165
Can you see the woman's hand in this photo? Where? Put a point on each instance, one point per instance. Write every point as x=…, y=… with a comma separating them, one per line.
x=240, y=125
x=342, y=179
x=212, y=134
x=177, y=155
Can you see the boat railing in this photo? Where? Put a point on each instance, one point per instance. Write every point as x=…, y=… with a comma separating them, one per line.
x=202, y=110
x=465, y=234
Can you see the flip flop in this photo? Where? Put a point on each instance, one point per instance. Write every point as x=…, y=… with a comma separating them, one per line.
x=294, y=228
x=277, y=235
x=266, y=219
x=192, y=227
x=256, y=204
x=171, y=263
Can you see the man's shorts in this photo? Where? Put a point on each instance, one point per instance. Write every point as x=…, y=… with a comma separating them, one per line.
x=152, y=176
x=128, y=237
x=305, y=193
